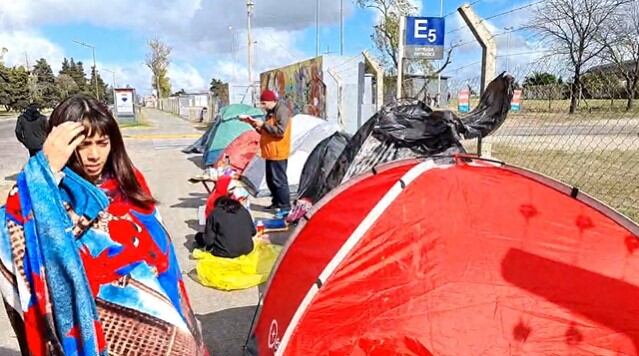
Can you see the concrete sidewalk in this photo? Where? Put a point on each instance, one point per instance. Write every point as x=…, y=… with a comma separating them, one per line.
x=225, y=316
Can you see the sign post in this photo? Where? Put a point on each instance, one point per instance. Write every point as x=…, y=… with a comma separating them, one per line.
x=463, y=101
x=400, y=60
x=124, y=103
x=424, y=37
x=515, y=104
x=419, y=38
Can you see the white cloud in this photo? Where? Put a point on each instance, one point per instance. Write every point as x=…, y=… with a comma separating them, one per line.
x=201, y=24
x=272, y=49
x=185, y=76
x=27, y=45
x=135, y=75
x=198, y=31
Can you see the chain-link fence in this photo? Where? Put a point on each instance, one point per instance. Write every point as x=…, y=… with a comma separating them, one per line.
x=595, y=149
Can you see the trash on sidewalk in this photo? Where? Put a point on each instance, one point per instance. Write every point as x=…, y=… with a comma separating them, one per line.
x=274, y=225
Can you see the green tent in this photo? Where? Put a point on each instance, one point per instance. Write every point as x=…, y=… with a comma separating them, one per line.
x=227, y=128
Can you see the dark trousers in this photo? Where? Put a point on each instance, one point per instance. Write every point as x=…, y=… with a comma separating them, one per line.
x=277, y=183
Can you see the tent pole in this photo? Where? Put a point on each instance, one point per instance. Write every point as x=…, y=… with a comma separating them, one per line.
x=248, y=336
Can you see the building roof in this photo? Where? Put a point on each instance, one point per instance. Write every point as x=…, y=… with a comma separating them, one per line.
x=612, y=67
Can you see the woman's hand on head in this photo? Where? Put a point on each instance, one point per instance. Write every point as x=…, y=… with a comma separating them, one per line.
x=61, y=143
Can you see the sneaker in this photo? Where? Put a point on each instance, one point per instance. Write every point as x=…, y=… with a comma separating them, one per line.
x=282, y=213
x=273, y=206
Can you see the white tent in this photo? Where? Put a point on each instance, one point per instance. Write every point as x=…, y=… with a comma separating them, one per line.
x=307, y=132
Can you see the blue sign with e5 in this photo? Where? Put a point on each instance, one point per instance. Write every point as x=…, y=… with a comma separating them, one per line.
x=425, y=31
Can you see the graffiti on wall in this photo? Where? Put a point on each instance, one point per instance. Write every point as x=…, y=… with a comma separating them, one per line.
x=300, y=86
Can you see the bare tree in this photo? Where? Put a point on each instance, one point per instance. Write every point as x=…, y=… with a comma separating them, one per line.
x=577, y=29
x=622, y=50
x=158, y=60
x=386, y=35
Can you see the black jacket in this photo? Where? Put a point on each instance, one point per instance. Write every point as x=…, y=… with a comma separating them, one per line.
x=31, y=129
x=229, y=234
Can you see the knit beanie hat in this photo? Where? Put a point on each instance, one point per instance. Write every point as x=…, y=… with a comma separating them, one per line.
x=268, y=95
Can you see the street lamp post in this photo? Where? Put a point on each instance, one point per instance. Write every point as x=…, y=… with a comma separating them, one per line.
x=317, y=27
x=250, y=5
x=233, y=51
x=341, y=27
x=439, y=75
x=112, y=83
x=95, y=68
x=113, y=74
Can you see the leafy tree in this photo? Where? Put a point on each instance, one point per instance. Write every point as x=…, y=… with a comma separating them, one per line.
x=66, y=67
x=108, y=95
x=66, y=85
x=179, y=92
x=158, y=60
x=79, y=76
x=3, y=51
x=102, y=86
x=4, y=86
x=541, y=78
x=46, y=93
x=76, y=72
x=220, y=90
x=19, y=95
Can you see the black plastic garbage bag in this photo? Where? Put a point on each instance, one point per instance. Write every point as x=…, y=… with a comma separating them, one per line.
x=410, y=129
x=319, y=164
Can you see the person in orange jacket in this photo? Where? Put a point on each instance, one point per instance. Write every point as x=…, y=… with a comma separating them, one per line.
x=275, y=145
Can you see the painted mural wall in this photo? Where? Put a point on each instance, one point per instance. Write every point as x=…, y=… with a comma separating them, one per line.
x=301, y=85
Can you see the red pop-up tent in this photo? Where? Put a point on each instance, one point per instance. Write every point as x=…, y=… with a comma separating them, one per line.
x=462, y=258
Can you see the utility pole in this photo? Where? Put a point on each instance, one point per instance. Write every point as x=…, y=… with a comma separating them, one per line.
x=26, y=60
x=249, y=12
x=317, y=27
x=341, y=27
x=400, y=60
x=509, y=29
x=95, y=68
x=487, y=42
x=439, y=75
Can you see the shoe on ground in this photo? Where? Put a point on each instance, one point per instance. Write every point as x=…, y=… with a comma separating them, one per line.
x=282, y=213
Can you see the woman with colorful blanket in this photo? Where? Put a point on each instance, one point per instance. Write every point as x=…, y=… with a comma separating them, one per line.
x=86, y=265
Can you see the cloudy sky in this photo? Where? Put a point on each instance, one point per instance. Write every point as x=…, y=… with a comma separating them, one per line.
x=208, y=37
